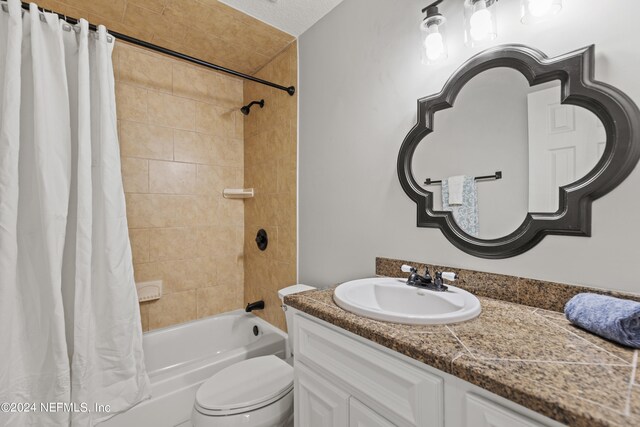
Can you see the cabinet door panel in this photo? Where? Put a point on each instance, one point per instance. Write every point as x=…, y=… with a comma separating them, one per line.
x=484, y=413
x=317, y=402
x=402, y=393
x=363, y=416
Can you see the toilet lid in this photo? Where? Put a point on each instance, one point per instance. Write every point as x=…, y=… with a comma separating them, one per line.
x=245, y=386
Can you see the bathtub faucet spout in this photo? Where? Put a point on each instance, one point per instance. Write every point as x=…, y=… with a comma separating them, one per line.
x=258, y=305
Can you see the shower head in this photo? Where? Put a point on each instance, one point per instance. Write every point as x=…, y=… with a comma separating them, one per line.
x=247, y=108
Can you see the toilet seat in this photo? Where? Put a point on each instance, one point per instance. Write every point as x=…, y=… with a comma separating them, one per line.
x=245, y=386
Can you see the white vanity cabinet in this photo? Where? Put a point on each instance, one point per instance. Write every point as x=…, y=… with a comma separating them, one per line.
x=403, y=394
x=484, y=413
x=361, y=415
x=320, y=403
x=344, y=380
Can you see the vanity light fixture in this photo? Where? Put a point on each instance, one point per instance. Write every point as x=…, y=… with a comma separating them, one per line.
x=479, y=21
x=434, y=45
x=533, y=11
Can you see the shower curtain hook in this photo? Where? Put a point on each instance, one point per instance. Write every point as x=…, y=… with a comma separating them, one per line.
x=66, y=26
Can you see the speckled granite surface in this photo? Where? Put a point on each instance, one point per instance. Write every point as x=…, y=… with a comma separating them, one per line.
x=531, y=356
x=532, y=292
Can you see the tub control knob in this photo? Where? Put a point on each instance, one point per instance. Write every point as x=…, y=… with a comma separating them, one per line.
x=262, y=240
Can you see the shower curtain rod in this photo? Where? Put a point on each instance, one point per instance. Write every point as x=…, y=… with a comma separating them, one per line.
x=291, y=90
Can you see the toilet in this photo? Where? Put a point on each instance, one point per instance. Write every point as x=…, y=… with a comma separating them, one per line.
x=256, y=392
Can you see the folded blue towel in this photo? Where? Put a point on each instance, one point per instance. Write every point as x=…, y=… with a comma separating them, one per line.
x=612, y=318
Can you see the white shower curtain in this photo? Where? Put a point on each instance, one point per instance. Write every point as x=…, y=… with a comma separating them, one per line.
x=69, y=319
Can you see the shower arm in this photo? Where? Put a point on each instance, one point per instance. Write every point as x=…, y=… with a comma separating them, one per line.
x=252, y=103
x=247, y=108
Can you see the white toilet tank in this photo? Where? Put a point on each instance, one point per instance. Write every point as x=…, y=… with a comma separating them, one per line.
x=288, y=312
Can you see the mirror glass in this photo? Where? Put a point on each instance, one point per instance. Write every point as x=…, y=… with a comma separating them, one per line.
x=500, y=123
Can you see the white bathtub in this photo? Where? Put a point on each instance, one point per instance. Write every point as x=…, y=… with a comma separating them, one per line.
x=181, y=357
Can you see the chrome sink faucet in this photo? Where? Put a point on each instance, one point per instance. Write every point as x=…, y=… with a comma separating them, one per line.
x=426, y=281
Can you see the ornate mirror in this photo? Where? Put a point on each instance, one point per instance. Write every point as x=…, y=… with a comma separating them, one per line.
x=517, y=146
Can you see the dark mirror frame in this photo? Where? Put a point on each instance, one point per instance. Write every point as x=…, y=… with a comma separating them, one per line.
x=618, y=113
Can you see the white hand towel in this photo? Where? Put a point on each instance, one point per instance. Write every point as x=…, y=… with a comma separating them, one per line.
x=466, y=213
x=456, y=184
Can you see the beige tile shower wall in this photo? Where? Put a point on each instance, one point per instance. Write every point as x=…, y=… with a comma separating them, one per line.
x=181, y=140
x=270, y=167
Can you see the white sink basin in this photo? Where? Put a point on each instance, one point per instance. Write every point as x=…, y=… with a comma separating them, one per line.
x=392, y=300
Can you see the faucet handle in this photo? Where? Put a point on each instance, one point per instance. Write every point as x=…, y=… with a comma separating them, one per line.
x=408, y=269
x=449, y=275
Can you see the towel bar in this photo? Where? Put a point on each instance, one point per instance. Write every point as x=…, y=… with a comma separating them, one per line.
x=497, y=175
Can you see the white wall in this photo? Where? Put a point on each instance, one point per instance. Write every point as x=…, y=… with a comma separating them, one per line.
x=360, y=76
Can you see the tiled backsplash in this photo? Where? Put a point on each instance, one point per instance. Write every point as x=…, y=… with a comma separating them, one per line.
x=181, y=140
x=531, y=292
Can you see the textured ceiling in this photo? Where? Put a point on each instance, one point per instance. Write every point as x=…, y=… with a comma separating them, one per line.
x=291, y=16
x=205, y=29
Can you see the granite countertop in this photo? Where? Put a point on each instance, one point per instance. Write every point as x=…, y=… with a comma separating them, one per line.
x=531, y=356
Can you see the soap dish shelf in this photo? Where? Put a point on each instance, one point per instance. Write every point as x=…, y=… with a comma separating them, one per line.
x=149, y=291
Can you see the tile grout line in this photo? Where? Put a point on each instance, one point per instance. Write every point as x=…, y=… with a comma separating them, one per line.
x=460, y=354
x=627, y=407
x=460, y=341
x=419, y=333
x=225, y=106
x=583, y=339
x=173, y=147
x=560, y=391
x=315, y=300
x=557, y=362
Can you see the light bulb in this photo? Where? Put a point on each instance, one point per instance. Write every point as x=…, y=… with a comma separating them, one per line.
x=434, y=42
x=480, y=23
x=434, y=46
x=539, y=8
